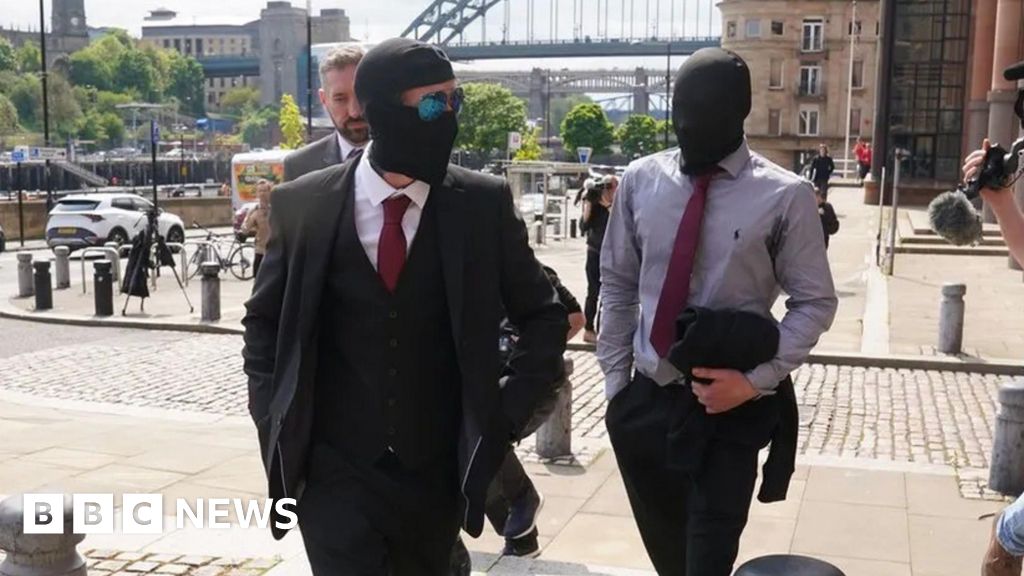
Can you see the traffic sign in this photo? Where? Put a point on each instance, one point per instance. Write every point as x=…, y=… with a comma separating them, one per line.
x=515, y=141
x=18, y=156
x=584, y=154
x=154, y=132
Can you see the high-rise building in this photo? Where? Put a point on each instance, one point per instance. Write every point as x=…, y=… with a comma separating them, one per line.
x=799, y=55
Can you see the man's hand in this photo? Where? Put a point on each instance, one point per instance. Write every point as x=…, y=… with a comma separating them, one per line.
x=973, y=164
x=728, y=389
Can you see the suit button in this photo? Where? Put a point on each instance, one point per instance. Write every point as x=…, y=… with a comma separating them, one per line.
x=393, y=343
x=393, y=314
x=392, y=372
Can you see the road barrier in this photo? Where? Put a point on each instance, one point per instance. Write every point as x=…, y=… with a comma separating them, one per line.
x=25, y=287
x=43, y=283
x=951, y=319
x=38, y=554
x=211, y=291
x=62, y=269
x=1006, y=474
x=103, y=287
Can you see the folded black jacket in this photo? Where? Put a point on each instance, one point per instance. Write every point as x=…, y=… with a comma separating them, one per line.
x=736, y=340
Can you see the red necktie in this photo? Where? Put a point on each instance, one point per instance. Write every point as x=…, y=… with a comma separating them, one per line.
x=392, y=246
x=676, y=289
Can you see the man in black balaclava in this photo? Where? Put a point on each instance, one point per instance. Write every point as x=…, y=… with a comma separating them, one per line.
x=371, y=336
x=716, y=226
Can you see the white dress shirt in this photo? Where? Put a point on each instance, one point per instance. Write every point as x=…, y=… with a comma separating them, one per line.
x=371, y=190
x=345, y=147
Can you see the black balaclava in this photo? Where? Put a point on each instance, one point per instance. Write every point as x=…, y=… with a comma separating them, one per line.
x=710, y=102
x=402, y=143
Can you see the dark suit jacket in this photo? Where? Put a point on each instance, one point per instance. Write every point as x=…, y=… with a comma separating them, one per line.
x=487, y=266
x=312, y=157
x=739, y=341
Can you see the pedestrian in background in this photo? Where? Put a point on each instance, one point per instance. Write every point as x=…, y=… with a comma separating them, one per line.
x=598, y=194
x=257, y=222
x=862, y=151
x=822, y=168
x=829, y=220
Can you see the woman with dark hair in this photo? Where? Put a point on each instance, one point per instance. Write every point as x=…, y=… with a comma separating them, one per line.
x=597, y=203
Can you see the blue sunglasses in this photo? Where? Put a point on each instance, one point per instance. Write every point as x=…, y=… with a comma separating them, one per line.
x=433, y=105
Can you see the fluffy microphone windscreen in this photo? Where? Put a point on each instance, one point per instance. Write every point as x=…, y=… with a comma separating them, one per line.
x=953, y=217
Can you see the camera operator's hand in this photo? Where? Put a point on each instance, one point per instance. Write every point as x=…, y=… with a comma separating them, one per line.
x=973, y=163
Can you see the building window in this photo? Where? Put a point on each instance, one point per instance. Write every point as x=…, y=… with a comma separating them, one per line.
x=199, y=46
x=753, y=28
x=188, y=46
x=810, y=80
x=854, y=28
x=858, y=74
x=814, y=33
x=222, y=83
x=777, y=28
x=730, y=29
x=809, y=121
x=211, y=98
x=167, y=43
x=855, y=121
x=775, y=123
x=177, y=45
x=775, y=75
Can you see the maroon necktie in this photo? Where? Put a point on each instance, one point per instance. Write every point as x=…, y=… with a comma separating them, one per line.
x=392, y=246
x=676, y=289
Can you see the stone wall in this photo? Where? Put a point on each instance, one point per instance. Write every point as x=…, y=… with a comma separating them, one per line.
x=206, y=211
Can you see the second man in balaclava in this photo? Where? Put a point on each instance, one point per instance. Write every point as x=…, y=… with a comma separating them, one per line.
x=714, y=225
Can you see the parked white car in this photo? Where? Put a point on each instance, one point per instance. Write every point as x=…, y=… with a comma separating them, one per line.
x=84, y=220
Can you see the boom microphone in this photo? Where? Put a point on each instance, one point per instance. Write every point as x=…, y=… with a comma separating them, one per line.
x=953, y=217
x=1014, y=72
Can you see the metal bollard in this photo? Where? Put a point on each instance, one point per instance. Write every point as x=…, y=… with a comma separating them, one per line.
x=554, y=437
x=115, y=260
x=103, y=288
x=63, y=266
x=211, y=291
x=43, y=285
x=25, y=288
x=787, y=565
x=38, y=554
x=951, y=319
x=573, y=228
x=1006, y=474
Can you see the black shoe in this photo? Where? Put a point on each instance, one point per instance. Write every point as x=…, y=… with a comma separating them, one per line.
x=522, y=547
x=460, y=564
x=522, y=515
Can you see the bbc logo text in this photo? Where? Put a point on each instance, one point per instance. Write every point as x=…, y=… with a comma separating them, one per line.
x=144, y=513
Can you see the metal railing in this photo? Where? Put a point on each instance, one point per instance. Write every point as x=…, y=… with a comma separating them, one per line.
x=111, y=254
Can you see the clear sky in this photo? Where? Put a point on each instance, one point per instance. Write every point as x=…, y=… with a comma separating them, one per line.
x=375, y=20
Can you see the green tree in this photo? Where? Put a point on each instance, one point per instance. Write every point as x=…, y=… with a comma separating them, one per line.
x=64, y=109
x=8, y=58
x=639, y=135
x=290, y=123
x=8, y=117
x=530, y=149
x=108, y=101
x=186, y=83
x=665, y=126
x=113, y=128
x=90, y=127
x=27, y=97
x=491, y=111
x=238, y=101
x=30, y=59
x=90, y=68
x=559, y=108
x=255, y=127
x=135, y=72
x=587, y=125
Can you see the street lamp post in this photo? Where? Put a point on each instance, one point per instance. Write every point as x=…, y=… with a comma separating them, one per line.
x=46, y=100
x=849, y=90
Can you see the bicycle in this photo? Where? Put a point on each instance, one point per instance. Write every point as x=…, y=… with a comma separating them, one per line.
x=240, y=255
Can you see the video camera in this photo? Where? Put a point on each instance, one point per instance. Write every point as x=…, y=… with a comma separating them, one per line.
x=1001, y=166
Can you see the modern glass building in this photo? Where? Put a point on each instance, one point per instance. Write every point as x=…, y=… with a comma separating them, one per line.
x=923, y=88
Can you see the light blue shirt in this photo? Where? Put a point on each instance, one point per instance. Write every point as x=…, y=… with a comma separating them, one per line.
x=761, y=235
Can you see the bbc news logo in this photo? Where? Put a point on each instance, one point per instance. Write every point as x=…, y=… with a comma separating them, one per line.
x=144, y=513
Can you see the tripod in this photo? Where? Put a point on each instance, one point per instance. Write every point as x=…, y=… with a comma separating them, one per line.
x=137, y=270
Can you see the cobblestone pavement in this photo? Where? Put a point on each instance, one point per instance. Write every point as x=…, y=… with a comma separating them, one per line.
x=114, y=563
x=909, y=416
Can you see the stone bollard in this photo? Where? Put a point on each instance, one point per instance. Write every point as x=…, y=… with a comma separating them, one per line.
x=38, y=554
x=43, y=283
x=211, y=291
x=1006, y=474
x=554, y=437
x=951, y=319
x=115, y=260
x=25, y=287
x=787, y=565
x=62, y=268
x=103, y=287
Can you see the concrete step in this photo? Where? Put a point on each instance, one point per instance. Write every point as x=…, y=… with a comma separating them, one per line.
x=951, y=250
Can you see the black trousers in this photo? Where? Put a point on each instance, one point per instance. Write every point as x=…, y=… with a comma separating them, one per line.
x=256, y=264
x=593, y=287
x=823, y=186
x=690, y=524
x=379, y=519
x=509, y=485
